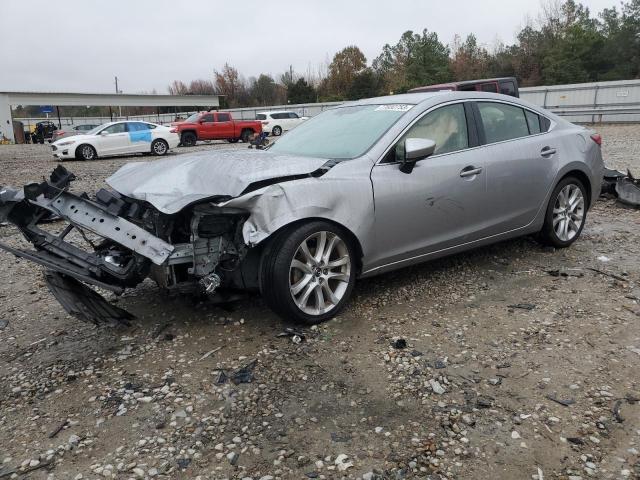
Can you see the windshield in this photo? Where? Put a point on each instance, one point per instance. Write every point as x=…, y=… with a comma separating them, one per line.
x=341, y=133
x=193, y=118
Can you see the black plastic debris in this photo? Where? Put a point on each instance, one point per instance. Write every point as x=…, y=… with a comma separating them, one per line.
x=339, y=438
x=439, y=364
x=566, y=272
x=3, y=323
x=609, y=181
x=243, y=374
x=523, y=306
x=399, y=344
x=564, y=403
x=84, y=303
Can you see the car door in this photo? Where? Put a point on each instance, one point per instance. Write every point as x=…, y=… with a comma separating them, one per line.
x=207, y=129
x=441, y=203
x=113, y=139
x=522, y=161
x=140, y=137
x=224, y=126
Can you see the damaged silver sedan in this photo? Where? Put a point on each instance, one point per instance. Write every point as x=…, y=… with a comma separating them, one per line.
x=361, y=189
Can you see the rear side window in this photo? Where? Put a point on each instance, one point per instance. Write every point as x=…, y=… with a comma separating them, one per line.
x=138, y=126
x=534, y=122
x=207, y=118
x=224, y=117
x=545, y=124
x=261, y=116
x=293, y=115
x=489, y=87
x=502, y=122
x=508, y=88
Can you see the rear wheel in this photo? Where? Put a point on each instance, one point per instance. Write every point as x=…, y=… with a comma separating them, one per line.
x=188, y=139
x=159, y=147
x=308, y=272
x=86, y=152
x=246, y=135
x=232, y=140
x=277, y=131
x=566, y=213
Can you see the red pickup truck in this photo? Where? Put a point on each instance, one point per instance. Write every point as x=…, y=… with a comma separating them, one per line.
x=215, y=126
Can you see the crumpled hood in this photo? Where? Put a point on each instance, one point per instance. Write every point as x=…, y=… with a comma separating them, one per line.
x=173, y=183
x=70, y=138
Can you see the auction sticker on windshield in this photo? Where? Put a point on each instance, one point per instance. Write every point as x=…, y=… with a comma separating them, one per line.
x=394, y=108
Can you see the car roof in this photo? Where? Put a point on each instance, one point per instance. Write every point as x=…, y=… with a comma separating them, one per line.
x=269, y=112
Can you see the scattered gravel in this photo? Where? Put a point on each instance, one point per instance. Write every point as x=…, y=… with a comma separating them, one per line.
x=429, y=373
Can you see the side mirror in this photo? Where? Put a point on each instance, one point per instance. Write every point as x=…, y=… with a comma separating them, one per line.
x=104, y=132
x=416, y=149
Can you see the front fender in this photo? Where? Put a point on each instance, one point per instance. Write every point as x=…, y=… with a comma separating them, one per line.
x=346, y=201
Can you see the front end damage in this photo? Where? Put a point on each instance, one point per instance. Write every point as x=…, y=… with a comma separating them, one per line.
x=120, y=241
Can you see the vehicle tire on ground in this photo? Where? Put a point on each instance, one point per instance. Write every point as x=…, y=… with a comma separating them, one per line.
x=277, y=131
x=232, y=140
x=246, y=135
x=159, y=147
x=308, y=272
x=86, y=152
x=566, y=213
x=188, y=139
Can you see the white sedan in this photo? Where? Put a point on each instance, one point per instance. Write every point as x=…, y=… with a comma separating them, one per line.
x=117, y=138
x=274, y=123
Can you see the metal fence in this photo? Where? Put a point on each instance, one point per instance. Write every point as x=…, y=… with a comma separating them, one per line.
x=581, y=103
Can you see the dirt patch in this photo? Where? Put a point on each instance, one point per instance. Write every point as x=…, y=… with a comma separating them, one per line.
x=514, y=361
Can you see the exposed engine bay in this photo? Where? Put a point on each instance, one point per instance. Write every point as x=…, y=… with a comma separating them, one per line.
x=199, y=249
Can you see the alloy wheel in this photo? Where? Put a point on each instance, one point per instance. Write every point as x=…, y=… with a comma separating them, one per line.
x=319, y=273
x=568, y=212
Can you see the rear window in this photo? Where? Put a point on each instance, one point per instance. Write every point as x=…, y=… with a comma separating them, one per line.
x=261, y=116
x=502, y=122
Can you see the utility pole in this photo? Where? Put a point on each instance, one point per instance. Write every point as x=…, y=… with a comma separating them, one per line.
x=118, y=92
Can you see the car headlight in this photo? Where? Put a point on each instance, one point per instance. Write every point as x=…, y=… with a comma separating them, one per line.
x=64, y=144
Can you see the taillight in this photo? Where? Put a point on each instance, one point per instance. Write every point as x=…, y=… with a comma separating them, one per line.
x=265, y=123
x=596, y=137
x=59, y=133
x=174, y=130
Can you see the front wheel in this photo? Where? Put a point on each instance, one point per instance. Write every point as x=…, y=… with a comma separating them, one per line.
x=277, y=131
x=566, y=214
x=188, y=139
x=308, y=272
x=86, y=152
x=159, y=147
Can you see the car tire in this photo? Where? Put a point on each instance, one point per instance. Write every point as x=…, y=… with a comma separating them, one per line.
x=159, y=147
x=188, y=139
x=232, y=140
x=566, y=213
x=86, y=152
x=277, y=131
x=246, y=135
x=293, y=281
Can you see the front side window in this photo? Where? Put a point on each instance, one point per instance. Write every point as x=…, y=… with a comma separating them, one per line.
x=293, y=115
x=508, y=88
x=502, y=121
x=447, y=126
x=341, y=133
x=224, y=117
x=208, y=118
x=116, y=128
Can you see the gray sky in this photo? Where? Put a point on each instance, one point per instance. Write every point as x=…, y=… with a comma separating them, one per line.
x=79, y=45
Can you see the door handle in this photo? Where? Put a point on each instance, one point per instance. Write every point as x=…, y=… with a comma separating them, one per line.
x=548, y=151
x=470, y=171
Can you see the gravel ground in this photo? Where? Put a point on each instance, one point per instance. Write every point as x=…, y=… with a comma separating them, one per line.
x=483, y=365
